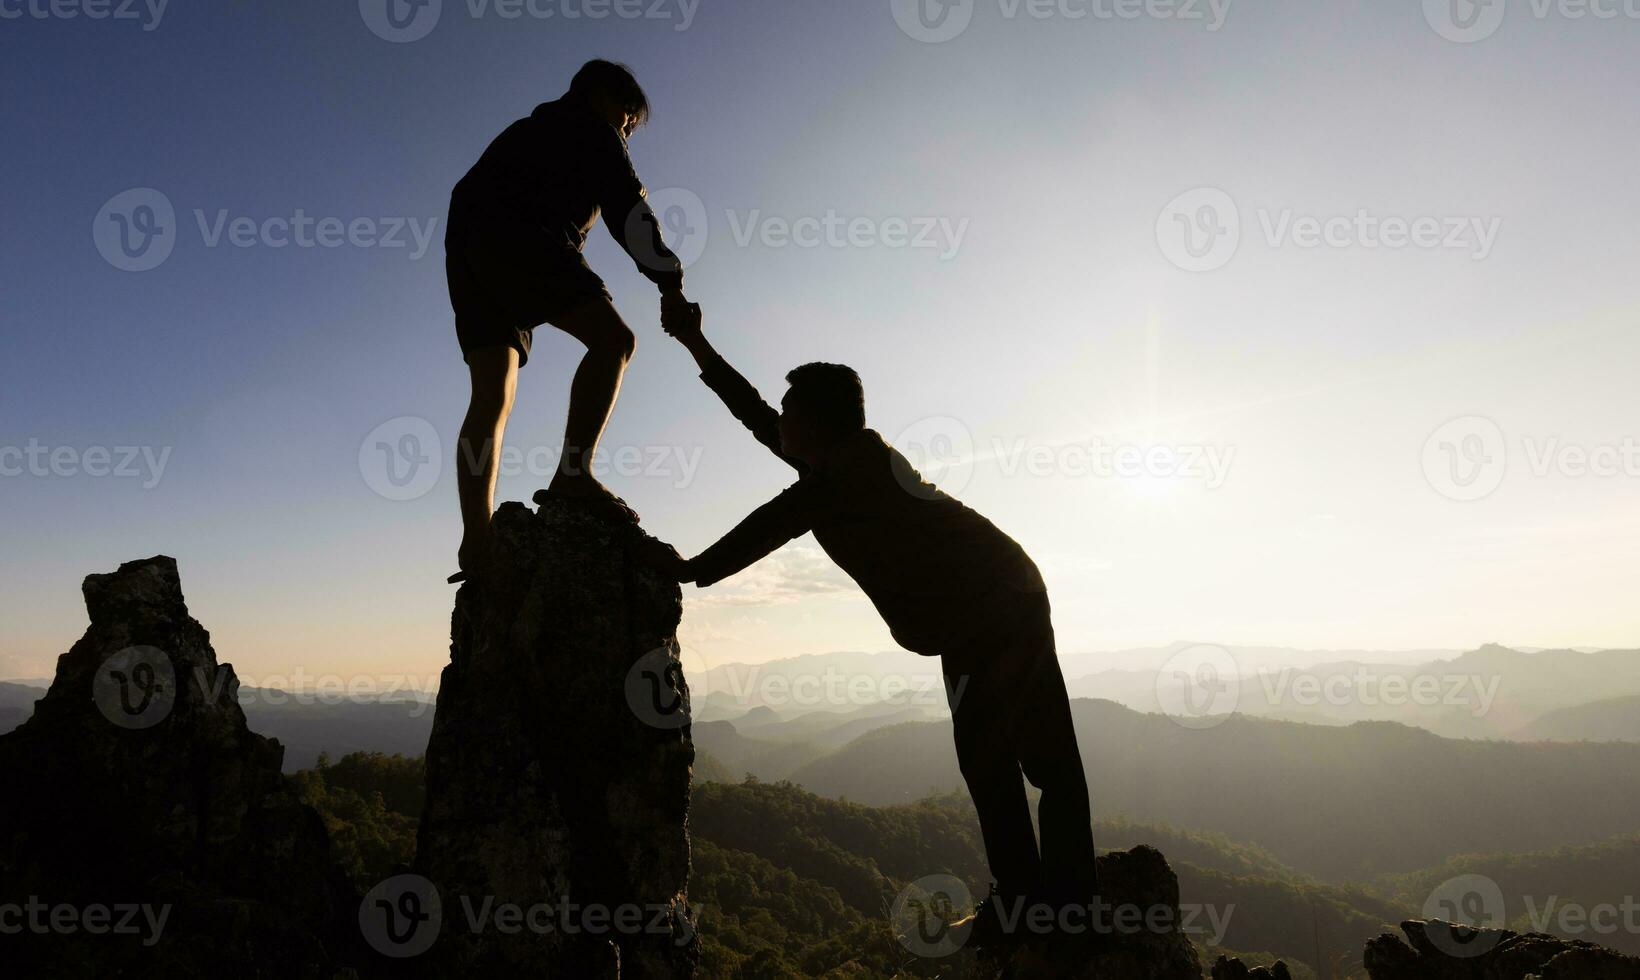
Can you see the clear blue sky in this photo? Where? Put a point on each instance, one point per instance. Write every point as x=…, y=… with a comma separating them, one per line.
x=1050, y=311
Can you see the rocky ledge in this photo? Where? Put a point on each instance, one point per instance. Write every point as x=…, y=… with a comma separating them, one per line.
x=558, y=771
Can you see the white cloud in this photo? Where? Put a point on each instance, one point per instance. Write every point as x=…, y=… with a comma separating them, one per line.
x=793, y=573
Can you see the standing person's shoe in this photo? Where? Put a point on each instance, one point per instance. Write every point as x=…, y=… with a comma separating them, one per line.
x=996, y=923
x=600, y=501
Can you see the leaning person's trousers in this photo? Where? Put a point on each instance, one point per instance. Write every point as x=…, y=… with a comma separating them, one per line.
x=1010, y=716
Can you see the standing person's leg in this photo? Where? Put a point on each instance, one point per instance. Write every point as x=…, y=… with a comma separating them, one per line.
x=610, y=345
x=1049, y=755
x=494, y=374
x=982, y=719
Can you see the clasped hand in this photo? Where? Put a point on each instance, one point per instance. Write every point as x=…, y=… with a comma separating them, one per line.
x=679, y=317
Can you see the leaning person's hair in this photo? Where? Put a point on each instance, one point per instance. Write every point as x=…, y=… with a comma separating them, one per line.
x=834, y=391
x=614, y=80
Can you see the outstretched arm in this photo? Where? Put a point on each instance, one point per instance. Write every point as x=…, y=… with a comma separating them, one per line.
x=731, y=387
x=632, y=222
x=780, y=520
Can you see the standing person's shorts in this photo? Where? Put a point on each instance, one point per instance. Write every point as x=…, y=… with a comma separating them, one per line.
x=503, y=286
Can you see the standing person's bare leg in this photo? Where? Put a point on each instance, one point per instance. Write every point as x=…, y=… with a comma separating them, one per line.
x=610, y=345
x=494, y=373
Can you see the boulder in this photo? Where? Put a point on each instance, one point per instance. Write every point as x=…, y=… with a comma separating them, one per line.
x=1438, y=950
x=1137, y=936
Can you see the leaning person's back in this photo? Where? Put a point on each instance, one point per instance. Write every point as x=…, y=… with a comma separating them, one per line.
x=930, y=564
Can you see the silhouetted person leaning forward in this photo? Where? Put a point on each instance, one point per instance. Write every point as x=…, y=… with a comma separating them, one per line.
x=518, y=222
x=949, y=584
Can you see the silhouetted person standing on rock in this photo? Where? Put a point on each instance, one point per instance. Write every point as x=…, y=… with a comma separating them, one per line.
x=518, y=221
x=948, y=583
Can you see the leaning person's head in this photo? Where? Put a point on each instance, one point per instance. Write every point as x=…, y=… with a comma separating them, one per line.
x=613, y=93
x=824, y=405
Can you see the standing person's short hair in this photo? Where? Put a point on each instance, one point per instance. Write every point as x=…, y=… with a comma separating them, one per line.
x=833, y=391
x=615, y=80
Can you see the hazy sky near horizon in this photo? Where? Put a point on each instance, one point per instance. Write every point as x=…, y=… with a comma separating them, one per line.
x=1020, y=236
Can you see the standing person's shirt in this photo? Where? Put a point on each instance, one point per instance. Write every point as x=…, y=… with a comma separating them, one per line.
x=544, y=180
x=934, y=568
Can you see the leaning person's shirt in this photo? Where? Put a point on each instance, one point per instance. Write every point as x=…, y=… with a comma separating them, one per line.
x=543, y=182
x=931, y=565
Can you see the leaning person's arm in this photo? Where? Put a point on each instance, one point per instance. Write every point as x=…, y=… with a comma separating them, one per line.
x=738, y=395
x=780, y=520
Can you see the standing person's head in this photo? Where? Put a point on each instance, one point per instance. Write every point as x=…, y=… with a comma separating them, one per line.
x=613, y=93
x=824, y=405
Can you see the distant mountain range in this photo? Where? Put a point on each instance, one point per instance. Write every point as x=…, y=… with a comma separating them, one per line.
x=306, y=724
x=772, y=720
x=1491, y=692
x=1298, y=791
x=17, y=703
x=1337, y=802
x=1611, y=720
x=308, y=727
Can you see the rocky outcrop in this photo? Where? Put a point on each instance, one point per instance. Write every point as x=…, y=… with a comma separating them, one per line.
x=1227, y=968
x=146, y=831
x=554, y=841
x=1143, y=935
x=1437, y=950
